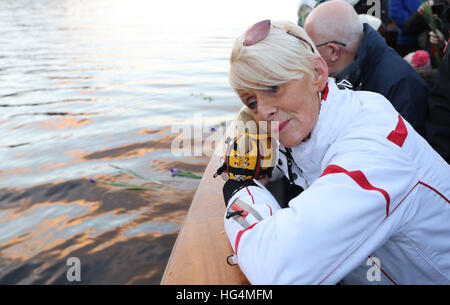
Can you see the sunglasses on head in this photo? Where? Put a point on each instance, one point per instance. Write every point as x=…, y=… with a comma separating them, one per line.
x=259, y=31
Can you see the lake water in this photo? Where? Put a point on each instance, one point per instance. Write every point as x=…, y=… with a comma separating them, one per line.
x=86, y=86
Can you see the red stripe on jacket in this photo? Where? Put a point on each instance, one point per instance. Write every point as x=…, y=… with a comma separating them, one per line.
x=239, y=235
x=359, y=178
x=399, y=134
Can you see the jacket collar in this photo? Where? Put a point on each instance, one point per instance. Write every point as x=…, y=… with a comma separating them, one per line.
x=369, y=53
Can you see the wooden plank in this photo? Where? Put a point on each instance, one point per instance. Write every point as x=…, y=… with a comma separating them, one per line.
x=202, y=246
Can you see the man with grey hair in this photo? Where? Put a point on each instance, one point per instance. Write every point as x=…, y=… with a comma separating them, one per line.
x=358, y=56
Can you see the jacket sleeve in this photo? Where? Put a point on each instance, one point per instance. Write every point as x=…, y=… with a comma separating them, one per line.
x=398, y=13
x=415, y=24
x=328, y=230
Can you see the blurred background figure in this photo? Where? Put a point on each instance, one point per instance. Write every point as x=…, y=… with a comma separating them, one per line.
x=378, y=9
x=358, y=56
x=438, y=123
x=419, y=60
x=399, y=12
x=431, y=37
x=304, y=8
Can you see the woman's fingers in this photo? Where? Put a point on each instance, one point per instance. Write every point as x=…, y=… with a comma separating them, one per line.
x=264, y=180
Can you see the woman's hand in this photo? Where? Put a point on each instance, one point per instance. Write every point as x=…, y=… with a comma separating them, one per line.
x=264, y=180
x=251, y=153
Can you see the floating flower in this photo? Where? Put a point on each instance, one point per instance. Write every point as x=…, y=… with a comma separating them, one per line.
x=175, y=171
x=127, y=186
x=184, y=173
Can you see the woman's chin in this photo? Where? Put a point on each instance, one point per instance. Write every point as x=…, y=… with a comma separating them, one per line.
x=290, y=141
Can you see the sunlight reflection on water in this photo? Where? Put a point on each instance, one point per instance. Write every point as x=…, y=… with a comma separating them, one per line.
x=87, y=84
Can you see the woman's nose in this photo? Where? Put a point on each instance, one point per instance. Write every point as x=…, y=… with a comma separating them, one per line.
x=266, y=112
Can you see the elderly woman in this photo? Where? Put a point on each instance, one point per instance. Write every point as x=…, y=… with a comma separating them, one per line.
x=375, y=207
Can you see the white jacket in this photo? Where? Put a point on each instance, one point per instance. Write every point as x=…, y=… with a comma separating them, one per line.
x=375, y=193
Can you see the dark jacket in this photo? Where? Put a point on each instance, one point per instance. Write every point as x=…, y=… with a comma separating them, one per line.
x=378, y=68
x=416, y=25
x=399, y=11
x=438, y=120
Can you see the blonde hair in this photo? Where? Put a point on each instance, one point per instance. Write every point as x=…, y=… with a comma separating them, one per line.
x=275, y=60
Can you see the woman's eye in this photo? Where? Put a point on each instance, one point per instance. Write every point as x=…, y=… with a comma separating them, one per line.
x=251, y=103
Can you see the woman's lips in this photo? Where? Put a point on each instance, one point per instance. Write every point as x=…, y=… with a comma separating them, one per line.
x=283, y=125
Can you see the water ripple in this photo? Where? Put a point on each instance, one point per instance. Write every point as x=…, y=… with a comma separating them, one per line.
x=83, y=85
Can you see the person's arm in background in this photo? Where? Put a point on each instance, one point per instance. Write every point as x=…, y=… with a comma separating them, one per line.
x=415, y=24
